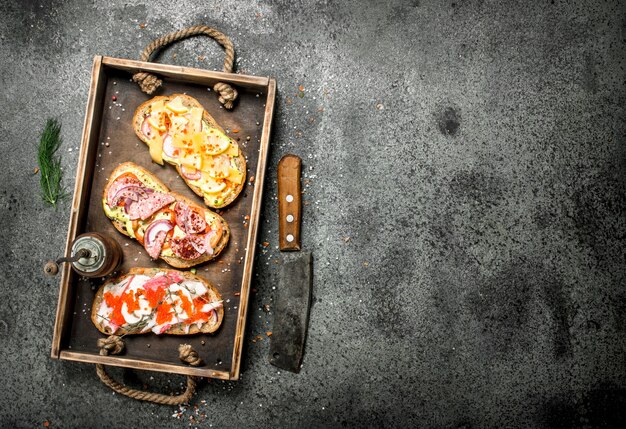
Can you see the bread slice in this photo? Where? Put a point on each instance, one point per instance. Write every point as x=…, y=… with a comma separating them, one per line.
x=151, y=181
x=214, y=200
x=103, y=323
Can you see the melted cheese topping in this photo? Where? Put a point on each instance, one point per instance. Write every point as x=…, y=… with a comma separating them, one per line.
x=196, y=146
x=139, y=304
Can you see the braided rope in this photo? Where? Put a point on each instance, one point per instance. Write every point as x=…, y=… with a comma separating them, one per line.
x=149, y=82
x=114, y=345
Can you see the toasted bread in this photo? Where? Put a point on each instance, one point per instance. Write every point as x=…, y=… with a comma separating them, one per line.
x=103, y=316
x=131, y=229
x=236, y=163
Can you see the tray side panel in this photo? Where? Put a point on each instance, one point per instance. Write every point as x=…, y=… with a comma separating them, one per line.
x=188, y=74
x=84, y=174
x=254, y=226
x=126, y=362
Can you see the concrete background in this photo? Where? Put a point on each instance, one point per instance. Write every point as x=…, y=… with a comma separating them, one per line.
x=466, y=171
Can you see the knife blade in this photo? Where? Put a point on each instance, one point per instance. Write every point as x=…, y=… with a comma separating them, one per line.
x=292, y=299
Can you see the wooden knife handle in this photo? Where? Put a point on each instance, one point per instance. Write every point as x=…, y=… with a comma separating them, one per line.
x=289, y=202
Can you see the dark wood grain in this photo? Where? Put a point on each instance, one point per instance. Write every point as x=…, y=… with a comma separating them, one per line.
x=191, y=75
x=289, y=202
x=149, y=365
x=109, y=140
x=259, y=179
x=83, y=179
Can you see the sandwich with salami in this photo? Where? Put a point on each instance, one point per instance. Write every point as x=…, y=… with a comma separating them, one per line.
x=168, y=225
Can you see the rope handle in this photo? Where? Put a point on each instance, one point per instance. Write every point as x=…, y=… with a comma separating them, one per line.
x=114, y=345
x=149, y=82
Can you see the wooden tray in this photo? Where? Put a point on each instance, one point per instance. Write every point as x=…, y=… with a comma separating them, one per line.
x=108, y=140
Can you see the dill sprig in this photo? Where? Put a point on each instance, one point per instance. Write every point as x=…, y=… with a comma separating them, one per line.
x=132, y=328
x=50, y=166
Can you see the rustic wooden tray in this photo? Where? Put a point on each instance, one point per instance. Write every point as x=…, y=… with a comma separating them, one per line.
x=108, y=140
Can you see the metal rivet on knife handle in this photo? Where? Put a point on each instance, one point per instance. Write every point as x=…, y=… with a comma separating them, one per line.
x=289, y=202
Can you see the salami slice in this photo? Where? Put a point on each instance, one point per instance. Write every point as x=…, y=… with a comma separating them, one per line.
x=155, y=236
x=146, y=207
x=188, y=219
x=123, y=181
x=154, y=248
x=188, y=247
x=181, y=211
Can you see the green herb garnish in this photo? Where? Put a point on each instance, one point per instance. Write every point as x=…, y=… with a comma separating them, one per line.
x=169, y=293
x=50, y=166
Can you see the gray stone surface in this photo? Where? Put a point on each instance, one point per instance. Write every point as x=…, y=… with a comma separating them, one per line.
x=466, y=202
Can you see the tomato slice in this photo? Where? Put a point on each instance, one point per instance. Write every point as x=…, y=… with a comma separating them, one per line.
x=166, y=245
x=170, y=213
x=139, y=232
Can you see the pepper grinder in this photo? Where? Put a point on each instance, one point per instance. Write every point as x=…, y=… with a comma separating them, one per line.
x=92, y=255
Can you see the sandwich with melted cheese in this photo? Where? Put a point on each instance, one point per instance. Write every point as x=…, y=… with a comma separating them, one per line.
x=168, y=225
x=159, y=301
x=179, y=131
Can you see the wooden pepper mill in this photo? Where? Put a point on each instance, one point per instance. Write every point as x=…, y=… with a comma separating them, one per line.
x=92, y=255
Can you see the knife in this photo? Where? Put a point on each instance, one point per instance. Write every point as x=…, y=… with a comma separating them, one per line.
x=292, y=300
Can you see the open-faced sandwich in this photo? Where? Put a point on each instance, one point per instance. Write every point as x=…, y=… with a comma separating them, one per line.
x=156, y=300
x=168, y=225
x=179, y=131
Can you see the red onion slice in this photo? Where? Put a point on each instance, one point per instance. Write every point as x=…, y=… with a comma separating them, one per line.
x=127, y=194
x=211, y=306
x=130, y=279
x=133, y=192
x=155, y=236
x=127, y=204
x=207, y=242
x=221, y=166
x=154, y=228
x=191, y=173
x=146, y=128
x=120, y=184
x=154, y=249
x=168, y=147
